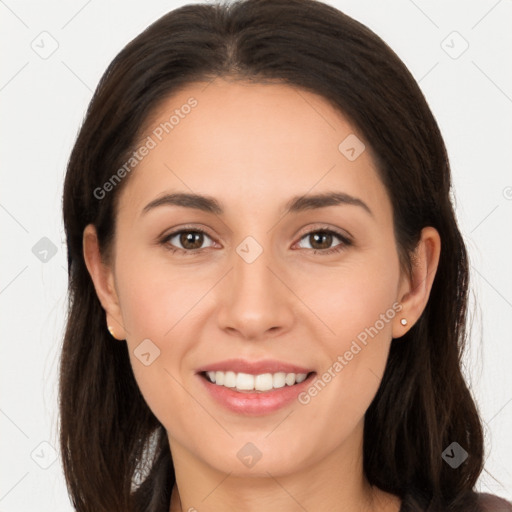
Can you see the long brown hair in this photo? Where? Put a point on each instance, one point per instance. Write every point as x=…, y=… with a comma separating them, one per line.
x=115, y=452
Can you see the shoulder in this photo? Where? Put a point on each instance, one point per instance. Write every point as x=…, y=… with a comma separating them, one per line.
x=492, y=503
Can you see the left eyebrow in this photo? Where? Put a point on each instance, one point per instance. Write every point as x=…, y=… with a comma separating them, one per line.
x=294, y=205
x=195, y=201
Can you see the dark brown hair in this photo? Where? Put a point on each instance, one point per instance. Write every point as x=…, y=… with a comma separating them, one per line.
x=115, y=452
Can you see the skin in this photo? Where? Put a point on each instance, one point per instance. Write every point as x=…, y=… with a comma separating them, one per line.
x=253, y=147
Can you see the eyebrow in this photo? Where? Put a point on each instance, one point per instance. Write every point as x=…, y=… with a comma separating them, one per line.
x=294, y=205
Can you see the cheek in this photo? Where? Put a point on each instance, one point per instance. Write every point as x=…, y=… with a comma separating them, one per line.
x=154, y=296
x=155, y=307
x=357, y=307
x=354, y=298
x=166, y=305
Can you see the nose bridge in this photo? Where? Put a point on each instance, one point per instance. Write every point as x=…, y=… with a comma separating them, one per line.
x=251, y=268
x=252, y=279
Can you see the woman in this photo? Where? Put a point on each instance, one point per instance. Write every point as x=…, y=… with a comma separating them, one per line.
x=267, y=282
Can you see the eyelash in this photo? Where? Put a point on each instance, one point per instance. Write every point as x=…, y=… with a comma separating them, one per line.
x=191, y=252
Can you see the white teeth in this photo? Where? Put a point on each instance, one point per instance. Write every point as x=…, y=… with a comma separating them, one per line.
x=261, y=382
x=279, y=380
x=244, y=381
x=229, y=379
x=290, y=379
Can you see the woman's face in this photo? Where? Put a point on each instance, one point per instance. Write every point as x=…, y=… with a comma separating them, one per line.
x=279, y=283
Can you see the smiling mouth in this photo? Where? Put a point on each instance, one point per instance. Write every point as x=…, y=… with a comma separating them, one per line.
x=248, y=383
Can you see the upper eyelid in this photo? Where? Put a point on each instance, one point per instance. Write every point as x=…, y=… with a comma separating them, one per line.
x=337, y=231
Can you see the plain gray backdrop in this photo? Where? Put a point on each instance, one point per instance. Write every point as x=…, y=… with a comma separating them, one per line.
x=53, y=54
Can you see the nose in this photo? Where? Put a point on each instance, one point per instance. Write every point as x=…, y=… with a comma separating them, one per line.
x=255, y=300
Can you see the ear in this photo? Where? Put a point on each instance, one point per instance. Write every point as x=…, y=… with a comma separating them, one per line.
x=102, y=276
x=414, y=291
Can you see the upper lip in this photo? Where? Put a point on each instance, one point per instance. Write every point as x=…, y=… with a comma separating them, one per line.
x=253, y=367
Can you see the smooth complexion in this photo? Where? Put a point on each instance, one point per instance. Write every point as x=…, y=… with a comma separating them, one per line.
x=253, y=147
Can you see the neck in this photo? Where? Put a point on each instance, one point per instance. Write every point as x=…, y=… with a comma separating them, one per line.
x=334, y=483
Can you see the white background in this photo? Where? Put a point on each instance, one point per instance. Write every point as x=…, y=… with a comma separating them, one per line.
x=43, y=102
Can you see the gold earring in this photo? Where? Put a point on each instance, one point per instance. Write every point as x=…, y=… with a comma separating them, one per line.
x=403, y=321
x=111, y=331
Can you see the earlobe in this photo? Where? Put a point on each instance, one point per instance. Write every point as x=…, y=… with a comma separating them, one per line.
x=415, y=291
x=103, y=280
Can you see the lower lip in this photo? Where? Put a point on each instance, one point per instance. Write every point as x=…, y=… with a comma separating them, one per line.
x=255, y=403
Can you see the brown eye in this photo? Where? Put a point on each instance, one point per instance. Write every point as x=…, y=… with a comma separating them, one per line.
x=322, y=240
x=190, y=240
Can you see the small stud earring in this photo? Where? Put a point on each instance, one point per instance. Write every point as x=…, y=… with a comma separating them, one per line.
x=111, y=331
x=403, y=321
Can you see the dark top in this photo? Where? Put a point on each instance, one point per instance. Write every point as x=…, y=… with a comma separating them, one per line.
x=487, y=502
x=492, y=503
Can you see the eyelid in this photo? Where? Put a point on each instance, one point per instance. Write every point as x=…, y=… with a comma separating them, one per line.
x=178, y=229
x=343, y=233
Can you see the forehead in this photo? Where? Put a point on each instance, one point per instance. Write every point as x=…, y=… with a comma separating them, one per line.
x=243, y=142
